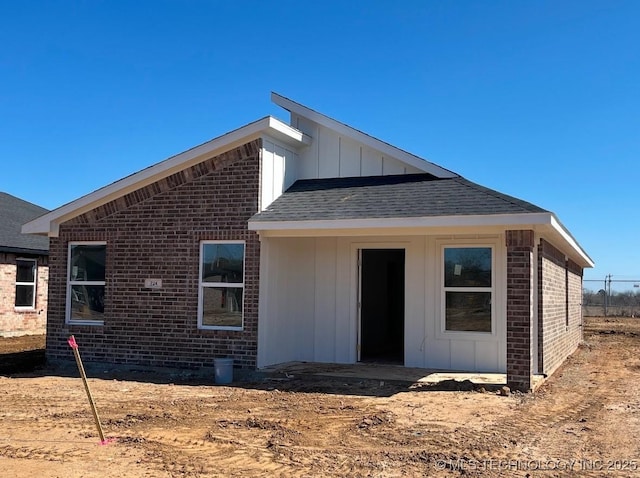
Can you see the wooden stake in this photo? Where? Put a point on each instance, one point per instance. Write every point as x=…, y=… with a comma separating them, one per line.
x=94, y=410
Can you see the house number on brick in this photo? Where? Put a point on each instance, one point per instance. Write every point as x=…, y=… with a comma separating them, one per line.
x=153, y=283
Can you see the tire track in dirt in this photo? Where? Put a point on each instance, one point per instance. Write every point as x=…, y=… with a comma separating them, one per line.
x=258, y=447
x=589, y=408
x=184, y=455
x=42, y=452
x=559, y=422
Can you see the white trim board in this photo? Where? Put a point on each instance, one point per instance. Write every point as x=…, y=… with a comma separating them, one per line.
x=48, y=224
x=543, y=221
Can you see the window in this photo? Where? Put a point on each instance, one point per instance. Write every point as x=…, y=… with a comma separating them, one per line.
x=86, y=284
x=26, y=276
x=221, y=288
x=468, y=289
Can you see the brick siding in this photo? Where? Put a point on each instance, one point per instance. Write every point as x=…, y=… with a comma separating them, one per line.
x=14, y=322
x=155, y=232
x=559, y=309
x=519, y=309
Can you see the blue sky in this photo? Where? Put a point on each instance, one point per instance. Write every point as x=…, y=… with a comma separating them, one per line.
x=537, y=99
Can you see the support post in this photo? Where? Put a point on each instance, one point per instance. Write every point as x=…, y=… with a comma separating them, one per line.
x=520, y=277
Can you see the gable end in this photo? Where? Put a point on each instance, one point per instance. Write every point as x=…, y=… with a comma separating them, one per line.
x=248, y=150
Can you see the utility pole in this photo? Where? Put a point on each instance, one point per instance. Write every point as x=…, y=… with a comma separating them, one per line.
x=605, y=295
x=610, y=290
x=607, y=292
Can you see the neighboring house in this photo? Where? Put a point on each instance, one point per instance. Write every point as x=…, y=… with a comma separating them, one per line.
x=311, y=241
x=23, y=270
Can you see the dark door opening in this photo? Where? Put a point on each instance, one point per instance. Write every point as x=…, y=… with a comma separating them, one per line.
x=382, y=305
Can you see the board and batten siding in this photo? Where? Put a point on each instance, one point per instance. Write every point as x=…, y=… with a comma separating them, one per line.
x=332, y=155
x=278, y=171
x=308, y=305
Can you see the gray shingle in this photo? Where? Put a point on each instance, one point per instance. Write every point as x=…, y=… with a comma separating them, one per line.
x=402, y=196
x=15, y=212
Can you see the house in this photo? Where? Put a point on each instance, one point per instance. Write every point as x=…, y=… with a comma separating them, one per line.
x=311, y=241
x=23, y=270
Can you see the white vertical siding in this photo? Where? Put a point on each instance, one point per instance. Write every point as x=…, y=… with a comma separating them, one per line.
x=266, y=180
x=437, y=354
x=332, y=155
x=485, y=356
x=416, y=319
x=346, y=276
x=350, y=158
x=463, y=353
x=279, y=156
x=392, y=166
x=278, y=171
x=325, y=300
x=286, y=324
x=308, y=310
x=329, y=151
x=371, y=163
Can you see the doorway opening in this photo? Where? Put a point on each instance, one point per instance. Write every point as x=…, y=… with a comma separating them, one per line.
x=382, y=296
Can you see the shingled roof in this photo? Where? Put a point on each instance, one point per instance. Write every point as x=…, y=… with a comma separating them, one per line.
x=14, y=212
x=401, y=196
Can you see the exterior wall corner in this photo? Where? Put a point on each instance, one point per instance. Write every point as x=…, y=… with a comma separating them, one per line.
x=520, y=287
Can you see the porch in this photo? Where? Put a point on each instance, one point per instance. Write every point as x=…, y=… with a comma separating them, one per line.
x=415, y=377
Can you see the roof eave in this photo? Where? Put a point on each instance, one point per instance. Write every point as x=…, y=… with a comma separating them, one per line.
x=580, y=256
x=403, y=222
x=545, y=222
x=48, y=224
x=24, y=250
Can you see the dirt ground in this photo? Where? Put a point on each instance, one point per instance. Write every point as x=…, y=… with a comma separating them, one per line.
x=585, y=421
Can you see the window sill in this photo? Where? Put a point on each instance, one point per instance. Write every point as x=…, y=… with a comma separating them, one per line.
x=228, y=329
x=467, y=335
x=86, y=322
x=25, y=309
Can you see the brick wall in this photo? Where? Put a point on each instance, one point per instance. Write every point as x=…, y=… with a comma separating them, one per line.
x=155, y=232
x=14, y=321
x=559, y=310
x=519, y=309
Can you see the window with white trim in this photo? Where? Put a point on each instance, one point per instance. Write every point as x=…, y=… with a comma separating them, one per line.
x=26, y=277
x=468, y=289
x=86, y=282
x=221, y=285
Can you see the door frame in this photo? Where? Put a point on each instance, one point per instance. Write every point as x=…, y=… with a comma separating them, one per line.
x=356, y=288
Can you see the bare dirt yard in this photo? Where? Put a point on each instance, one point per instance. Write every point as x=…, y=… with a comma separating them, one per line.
x=584, y=421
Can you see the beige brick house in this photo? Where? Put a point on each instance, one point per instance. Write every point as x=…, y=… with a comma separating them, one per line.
x=311, y=241
x=23, y=270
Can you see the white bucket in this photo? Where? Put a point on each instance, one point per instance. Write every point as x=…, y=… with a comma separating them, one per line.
x=223, y=370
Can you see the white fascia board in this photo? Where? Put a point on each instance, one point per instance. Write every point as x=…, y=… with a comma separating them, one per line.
x=48, y=223
x=566, y=236
x=287, y=134
x=370, y=141
x=531, y=219
x=543, y=221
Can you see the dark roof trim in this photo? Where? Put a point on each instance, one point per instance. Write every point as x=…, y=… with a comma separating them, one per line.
x=18, y=250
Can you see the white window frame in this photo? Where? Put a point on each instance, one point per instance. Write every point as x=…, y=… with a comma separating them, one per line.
x=230, y=285
x=443, y=292
x=70, y=283
x=33, y=284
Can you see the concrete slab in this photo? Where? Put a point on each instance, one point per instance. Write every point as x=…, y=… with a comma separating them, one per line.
x=390, y=373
